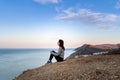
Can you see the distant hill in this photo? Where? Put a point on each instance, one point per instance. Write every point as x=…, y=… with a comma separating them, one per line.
x=88, y=49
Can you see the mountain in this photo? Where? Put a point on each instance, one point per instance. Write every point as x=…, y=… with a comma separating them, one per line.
x=106, y=46
x=88, y=49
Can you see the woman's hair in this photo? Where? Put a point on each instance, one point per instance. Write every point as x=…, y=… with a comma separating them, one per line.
x=61, y=43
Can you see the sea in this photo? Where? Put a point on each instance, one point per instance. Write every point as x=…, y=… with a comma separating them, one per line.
x=14, y=61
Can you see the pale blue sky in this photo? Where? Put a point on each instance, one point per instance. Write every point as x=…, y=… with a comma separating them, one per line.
x=40, y=23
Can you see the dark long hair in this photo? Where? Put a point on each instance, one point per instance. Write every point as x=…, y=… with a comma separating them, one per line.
x=61, y=44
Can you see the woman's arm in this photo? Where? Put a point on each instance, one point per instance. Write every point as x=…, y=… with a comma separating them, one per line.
x=57, y=53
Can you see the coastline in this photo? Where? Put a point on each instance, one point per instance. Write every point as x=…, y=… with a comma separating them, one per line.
x=14, y=61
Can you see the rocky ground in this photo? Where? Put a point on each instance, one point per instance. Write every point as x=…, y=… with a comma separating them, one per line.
x=100, y=67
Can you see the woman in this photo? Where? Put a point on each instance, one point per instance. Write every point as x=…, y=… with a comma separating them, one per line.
x=59, y=56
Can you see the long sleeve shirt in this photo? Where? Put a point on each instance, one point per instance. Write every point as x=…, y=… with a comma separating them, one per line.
x=59, y=53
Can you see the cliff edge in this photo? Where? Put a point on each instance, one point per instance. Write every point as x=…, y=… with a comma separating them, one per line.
x=99, y=67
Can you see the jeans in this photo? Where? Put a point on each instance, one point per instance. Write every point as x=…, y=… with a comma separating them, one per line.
x=58, y=58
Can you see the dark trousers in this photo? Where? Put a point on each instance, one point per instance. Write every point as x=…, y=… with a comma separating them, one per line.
x=58, y=58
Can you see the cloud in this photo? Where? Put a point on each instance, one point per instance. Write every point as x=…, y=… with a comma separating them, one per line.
x=47, y=1
x=118, y=5
x=88, y=17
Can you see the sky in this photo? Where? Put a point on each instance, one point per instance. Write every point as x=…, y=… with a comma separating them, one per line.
x=41, y=23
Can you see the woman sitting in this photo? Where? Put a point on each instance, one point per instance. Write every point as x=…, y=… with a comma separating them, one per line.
x=59, y=56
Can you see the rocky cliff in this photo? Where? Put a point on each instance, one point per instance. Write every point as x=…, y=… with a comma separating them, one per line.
x=88, y=49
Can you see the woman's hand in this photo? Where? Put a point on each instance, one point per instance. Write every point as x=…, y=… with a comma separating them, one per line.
x=53, y=51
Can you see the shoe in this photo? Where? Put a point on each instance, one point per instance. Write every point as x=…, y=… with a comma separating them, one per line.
x=48, y=62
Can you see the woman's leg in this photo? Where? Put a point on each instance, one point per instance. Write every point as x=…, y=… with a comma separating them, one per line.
x=58, y=58
x=51, y=57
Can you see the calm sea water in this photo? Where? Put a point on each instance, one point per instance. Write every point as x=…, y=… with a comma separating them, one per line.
x=14, y=61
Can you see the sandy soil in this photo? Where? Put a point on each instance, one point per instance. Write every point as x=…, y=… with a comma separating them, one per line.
x=101, y=67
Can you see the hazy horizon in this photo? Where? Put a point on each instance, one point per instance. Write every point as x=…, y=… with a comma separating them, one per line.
x=40, y=23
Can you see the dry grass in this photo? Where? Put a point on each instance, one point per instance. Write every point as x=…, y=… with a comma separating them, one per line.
x=103, y=67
